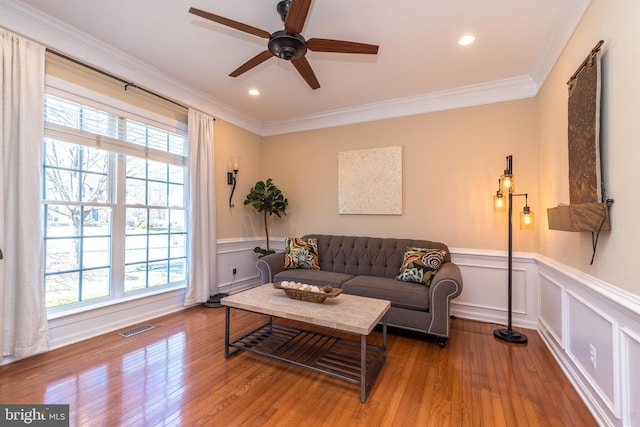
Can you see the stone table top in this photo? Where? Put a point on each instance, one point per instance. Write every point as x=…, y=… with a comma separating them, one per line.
x=347, y=313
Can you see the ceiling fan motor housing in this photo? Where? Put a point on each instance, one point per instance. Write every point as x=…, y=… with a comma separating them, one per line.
x=287, y=46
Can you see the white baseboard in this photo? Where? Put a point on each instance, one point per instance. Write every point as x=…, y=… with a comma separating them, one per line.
x=80, y=326
x=72, y=327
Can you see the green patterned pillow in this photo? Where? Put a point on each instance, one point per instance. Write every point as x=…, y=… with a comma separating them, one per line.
x=420, y=265
x=301, y=253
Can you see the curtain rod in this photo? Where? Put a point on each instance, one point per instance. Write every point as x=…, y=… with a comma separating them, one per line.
x=586, y=61
x=127, y=84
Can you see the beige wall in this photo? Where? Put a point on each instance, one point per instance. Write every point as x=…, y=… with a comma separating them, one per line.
x=231, y=141
x=452, y=161
x=615, y=22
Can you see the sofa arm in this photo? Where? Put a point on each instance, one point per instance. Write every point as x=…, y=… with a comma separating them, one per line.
x=270, y=265
x=445, y=285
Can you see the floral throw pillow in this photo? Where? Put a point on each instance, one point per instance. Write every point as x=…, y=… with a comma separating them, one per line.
x=301, y=253
x=420, y=265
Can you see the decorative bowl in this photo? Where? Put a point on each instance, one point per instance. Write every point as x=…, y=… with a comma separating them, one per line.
x=306, y=295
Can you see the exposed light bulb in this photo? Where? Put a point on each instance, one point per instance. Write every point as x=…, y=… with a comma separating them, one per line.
x=499, y=203
x=508, y=183
x=527, y=221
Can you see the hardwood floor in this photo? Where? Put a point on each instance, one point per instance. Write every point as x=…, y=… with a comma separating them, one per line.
x=176, y=374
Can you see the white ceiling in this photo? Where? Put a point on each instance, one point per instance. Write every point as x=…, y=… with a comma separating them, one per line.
x=419, y=60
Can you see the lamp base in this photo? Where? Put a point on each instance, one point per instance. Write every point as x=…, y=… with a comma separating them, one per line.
x=509, y=335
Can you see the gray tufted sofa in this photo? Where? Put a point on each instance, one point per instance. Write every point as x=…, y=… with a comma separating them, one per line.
x=366, y=266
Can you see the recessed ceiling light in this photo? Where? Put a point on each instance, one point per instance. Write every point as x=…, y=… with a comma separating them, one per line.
x=465, y=40
x=254, y=92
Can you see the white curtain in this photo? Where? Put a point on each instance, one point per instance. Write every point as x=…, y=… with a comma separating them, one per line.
x=23, y=320
x=202, y=281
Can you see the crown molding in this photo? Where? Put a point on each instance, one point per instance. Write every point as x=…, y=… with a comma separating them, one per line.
x=468, y=96
x=58, y=36
x=562, y=29
x=498, y=91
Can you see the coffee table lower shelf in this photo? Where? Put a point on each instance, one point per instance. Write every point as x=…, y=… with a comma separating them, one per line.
x=349, y=360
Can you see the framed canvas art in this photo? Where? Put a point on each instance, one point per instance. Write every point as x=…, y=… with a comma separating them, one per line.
x=370, y=181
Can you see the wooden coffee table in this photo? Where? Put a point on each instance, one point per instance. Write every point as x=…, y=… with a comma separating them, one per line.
x=350, y=360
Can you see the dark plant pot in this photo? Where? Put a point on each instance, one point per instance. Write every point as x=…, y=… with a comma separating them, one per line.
x=263, y=252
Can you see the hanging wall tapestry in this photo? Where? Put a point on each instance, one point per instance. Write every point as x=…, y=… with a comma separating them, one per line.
x=584, y=131
x=589, y=206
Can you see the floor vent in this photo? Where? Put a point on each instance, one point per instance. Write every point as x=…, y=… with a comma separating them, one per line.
x=136, y=330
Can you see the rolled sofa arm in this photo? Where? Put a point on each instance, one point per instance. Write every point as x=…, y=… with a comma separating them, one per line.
x=270, y=265
x=445, y=285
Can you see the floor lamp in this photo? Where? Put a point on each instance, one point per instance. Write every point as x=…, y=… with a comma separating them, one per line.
x=506, y=185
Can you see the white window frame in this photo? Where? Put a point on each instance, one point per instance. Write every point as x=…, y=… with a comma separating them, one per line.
x=66, y=90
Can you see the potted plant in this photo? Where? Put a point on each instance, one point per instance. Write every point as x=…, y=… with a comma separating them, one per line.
x=265, y=197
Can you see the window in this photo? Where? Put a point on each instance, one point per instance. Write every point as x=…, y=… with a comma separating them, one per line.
x=155, y=238
x=114, y=203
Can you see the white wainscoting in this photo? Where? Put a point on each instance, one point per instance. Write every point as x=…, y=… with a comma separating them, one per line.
x=579, y=317
x=593, y=330
x=485, y=287
x=573, y=312
x=78, y=325
x=239, y=253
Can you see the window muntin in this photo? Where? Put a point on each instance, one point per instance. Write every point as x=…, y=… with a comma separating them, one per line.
x=86, y=216
x=77, y=253
x=156, y=224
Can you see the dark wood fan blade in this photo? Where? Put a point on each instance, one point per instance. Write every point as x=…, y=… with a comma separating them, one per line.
x=340, y=46
x=303, y=67
x=231, y=23
x=256, y=60
x=297, y=15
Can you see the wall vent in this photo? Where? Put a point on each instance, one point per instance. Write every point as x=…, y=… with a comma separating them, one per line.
x=136, y=330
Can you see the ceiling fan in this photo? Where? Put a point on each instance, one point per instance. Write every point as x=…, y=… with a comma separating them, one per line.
x=288, y=44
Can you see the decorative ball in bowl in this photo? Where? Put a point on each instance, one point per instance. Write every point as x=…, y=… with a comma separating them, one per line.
x=305, y=292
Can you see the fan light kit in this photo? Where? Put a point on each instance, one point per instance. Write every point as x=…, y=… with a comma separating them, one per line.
x=289, y=44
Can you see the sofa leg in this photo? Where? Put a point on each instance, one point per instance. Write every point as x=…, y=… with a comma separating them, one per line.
x=442, y=341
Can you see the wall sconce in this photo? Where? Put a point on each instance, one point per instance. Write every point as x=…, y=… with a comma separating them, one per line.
x=506, y=185
x=232, y=177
